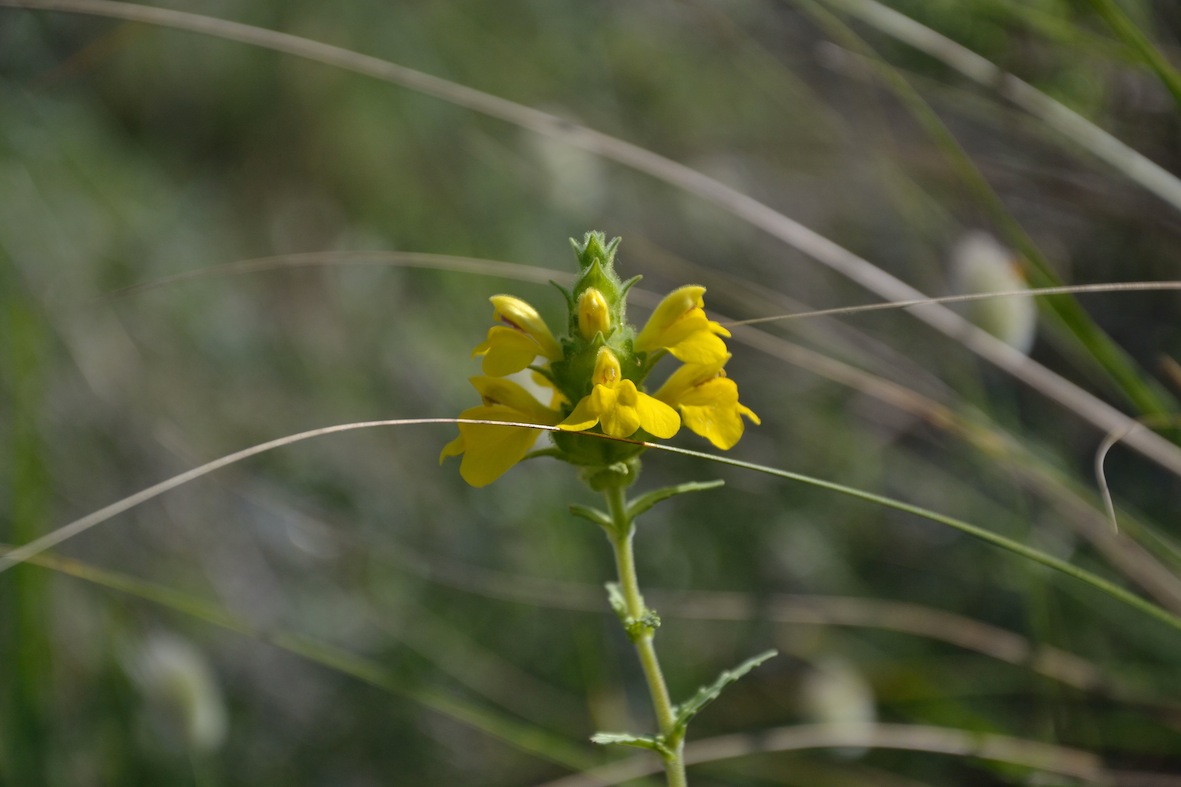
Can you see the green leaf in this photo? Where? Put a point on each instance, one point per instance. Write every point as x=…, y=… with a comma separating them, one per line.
x=618, y=603
x=707, y=694
x=649, y=499
x=591, y=514
x=636, y=628
x=653, y=743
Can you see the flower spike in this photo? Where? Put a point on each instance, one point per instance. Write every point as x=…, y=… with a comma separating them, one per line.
x=594, y=373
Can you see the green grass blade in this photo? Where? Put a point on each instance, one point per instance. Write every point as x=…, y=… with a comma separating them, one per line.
x=1130, y=34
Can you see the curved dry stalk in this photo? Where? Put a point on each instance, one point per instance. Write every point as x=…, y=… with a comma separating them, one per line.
x=811, y=243
x=409, y=259
x=79, y=526
x=1112, y=439
x=1029, y=292
x=1048, y=758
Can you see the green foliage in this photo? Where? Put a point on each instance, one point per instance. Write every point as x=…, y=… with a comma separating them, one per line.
x=707, y=694
x=206, y=244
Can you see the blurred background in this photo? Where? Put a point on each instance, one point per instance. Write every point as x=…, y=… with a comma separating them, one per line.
x=206, y=245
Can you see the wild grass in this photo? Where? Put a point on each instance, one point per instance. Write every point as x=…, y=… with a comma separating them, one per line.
x=286, y=226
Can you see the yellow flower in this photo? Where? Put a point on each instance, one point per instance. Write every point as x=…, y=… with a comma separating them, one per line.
x=708, y=401
x=680, y=326
x=489, y=450
x=594, y=315
x=618, y=407
x=512, y=347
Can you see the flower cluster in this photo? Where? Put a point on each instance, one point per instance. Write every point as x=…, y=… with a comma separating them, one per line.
x=595, y=375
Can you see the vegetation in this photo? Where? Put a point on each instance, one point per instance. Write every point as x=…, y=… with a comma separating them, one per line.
x=227, y=227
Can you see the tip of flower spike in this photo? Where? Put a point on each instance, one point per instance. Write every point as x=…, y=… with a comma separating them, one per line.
x=596, y=262
x=595, y=246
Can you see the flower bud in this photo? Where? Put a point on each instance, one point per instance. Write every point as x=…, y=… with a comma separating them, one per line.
x=594, y=315
x=607, y=368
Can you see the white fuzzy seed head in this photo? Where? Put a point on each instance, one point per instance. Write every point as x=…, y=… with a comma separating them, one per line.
x=979, y=264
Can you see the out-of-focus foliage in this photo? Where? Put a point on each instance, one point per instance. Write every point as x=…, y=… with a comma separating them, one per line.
x=130, y=154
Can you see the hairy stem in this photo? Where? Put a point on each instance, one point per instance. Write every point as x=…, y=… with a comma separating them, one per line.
x=621, y=539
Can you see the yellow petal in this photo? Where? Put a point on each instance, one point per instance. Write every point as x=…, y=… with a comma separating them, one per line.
x=695, y=339
x=488, y=450
x=498, y=390
x=454, y=448
x=519, y=314
x=506, y=351
x=581, y=419
x=671, y=309
x=619, y=416
x=494, y=449
x=685, y=378
x=680, y=326
x=656, y=417
x=723, y=428
x=712, y=410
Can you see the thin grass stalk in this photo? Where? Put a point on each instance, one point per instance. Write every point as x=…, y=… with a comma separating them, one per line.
x=1128, y=32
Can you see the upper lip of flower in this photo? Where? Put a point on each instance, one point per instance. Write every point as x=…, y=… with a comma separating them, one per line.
x=679, y=325
x=506, y=393
x=518, y=314
x=512, y=347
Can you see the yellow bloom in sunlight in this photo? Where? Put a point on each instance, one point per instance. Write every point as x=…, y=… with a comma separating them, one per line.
x=680, y=326
x=618, y=407
x=512, y=347
x=488, y=450
x=708, y=401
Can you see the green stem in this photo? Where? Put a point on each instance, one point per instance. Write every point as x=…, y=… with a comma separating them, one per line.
x=621, y=539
